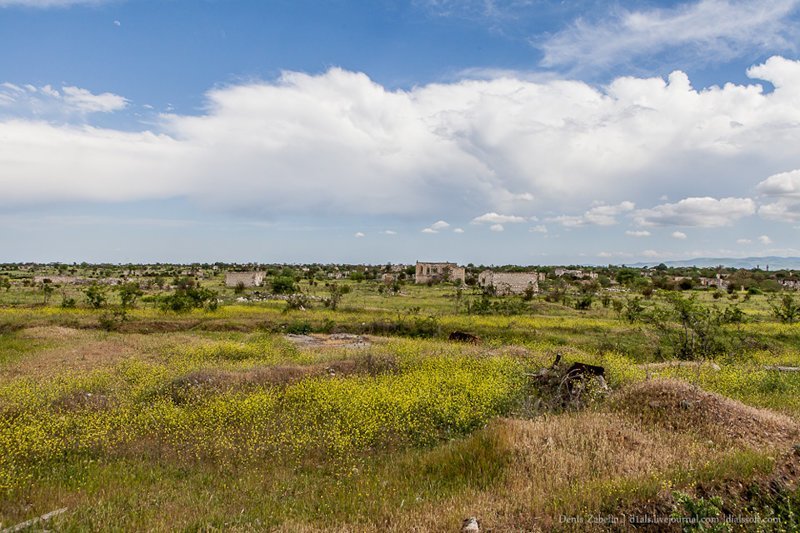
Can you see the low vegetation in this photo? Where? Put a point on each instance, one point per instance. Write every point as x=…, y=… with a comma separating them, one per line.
x=340, y=404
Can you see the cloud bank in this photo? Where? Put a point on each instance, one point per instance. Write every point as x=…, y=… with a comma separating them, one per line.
x=338, y=143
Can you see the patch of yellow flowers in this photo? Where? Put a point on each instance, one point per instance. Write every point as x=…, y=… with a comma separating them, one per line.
x=437, y=392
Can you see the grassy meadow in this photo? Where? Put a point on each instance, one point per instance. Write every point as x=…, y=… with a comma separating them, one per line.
x=255, y=416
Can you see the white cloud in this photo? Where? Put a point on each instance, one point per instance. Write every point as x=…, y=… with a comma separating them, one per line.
x=429, y=230
x=496, y=227
x=85, y=101
x=540, y=228
x=783, y=210
x=339, y=144
x=642, y=233
x=786, y=187
x=600, y=215
x=389, y=232
x=785, y=184
x=764, y=239
x=702, y=30
x=47, y=101
x=458, y=230
x=706, y=212
x=744, y=241
x=678, y=235
x=359, y=234
x=494, y=218
x=608, y=255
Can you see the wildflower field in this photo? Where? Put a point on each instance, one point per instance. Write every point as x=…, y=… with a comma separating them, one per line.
x=367, y=418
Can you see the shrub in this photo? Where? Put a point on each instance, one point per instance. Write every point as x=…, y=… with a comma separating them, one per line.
x=186, y=299
x=787, y=309
x=95, y=296
x=298, y=301
x=283, y=285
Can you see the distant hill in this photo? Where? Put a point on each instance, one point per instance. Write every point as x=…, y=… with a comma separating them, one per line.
x=774, y=263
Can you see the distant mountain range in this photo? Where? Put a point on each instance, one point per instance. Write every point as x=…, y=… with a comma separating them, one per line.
x=774, y=263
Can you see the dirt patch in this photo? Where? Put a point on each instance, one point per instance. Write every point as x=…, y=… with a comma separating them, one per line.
x=335, y=340
x=49, y=333
x=679, y=406
x=278, y=375
x=511, y=351
x=79, y=400
x=696, y=365
x=83, y=350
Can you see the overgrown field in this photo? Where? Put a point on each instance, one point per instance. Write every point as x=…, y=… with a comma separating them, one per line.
x=366, y=418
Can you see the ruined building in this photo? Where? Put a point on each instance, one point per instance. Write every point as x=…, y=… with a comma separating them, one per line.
x=248, y=279
x=509, y=282
x=436, y=272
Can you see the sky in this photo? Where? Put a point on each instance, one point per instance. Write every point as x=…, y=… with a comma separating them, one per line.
x=478, y=131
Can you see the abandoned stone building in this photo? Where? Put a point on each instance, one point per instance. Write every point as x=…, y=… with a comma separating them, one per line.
x=436, y=272
x=505, y=283
x=718, y=282
x=791, y=284
x=578, y=274
x=248, y=279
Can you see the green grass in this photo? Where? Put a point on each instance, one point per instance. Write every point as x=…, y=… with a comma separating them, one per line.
x=215, y=419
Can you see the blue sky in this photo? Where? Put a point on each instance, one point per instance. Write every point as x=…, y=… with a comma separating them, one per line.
x=493, y=131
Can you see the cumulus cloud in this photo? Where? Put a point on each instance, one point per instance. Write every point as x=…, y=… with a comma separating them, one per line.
x=642, y=233
x=722, y=29
x=599, y=215
x=359, y=234
x=678, y=235
x=764, y=239
x=436, y=227
x=339, y=143
x=497, y=227
x=495, y=218
x=783, y=210
x=458, y=230
x=389, y=232
x=786, y=184
x=704, y=212
x=785, y=188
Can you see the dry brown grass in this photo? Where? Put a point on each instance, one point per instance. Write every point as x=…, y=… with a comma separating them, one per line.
x=553, y=457
x=66, y=349
x=679, y=406
x=578, y=463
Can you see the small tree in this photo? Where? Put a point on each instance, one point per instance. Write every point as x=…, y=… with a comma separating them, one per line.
x=336, y=292
x=693, y=330
x=633, y=309
x=47, y=290
x=128, y=294
x=95, y=296
x=5, y=283
x=787, y=309
x=283, y=285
